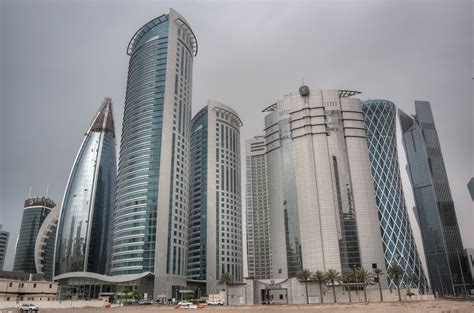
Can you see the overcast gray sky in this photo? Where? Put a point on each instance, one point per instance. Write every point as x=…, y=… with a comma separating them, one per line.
x=59, y=59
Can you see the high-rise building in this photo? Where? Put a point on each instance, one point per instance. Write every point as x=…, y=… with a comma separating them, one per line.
x=434, y=203
x=259, y=260
x=82, y=240
x=470, y=187
x=323, y=210
x=45, y=243
x=35, y=212
x=397, y=235
x=152, y=202
x=3, y=246
x=215, y=221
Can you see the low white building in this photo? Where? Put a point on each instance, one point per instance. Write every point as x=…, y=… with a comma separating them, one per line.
x=18, y=286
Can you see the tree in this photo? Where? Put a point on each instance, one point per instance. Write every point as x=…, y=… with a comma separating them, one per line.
x=395, y=272
x=366, y=278
x=379, y=272
x=227, y=279
x=414, y=280
x=347, y=278
x=304, y=276
x=333, y=276
x=319, y=277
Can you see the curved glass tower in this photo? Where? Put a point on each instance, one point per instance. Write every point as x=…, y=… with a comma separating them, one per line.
x=82, y=240
x=397, y=236
x=152, y=201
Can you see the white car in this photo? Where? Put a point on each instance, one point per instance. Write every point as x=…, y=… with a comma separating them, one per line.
x=215, y=302
x=186, y=305
x=28, y=307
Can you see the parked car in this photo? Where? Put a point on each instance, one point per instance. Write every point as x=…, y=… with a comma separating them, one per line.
x=215, y=302
x=188, y=305
x=143, y=302
x=28, y=307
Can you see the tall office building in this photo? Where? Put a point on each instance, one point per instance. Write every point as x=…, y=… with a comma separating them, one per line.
x=82, y=240
x=470, y=187
x=215, y=221
x=3, y=246
x=45, y=243
x=152, y=203
x=259, y=260
x=35, y=212
x=434, y=203
x=322, y=200
x=397, y=235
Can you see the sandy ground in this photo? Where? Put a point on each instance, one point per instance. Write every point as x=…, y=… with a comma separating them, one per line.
x=437, y=306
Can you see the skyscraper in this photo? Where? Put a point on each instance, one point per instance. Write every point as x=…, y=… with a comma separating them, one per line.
x=257, y=210
x=215, y=228
x=397, y=235
x=82, y=241
x=3, y=246
x=434, y=203
x=152, y=203
x=44, y=245
x=470, y=187
x=323, y=209
x=35, y=211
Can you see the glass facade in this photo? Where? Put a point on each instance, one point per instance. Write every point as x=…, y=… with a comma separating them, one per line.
x=258, y=215
x=434, y=204
x=150, y=223
x=35, y=212
x=82, y=242
x=397, y=236
x=197, y=237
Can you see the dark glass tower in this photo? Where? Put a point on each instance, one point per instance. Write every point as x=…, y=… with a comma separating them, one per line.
x=397, y=236
x=35, y=212
x=434, y=203
x=152, y=201
x=82, y=241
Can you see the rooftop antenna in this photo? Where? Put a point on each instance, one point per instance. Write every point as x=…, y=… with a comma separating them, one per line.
x=29, y=193
x=47, y=190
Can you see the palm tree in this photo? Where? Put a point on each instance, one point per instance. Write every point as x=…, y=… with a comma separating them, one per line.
x=395, y=272
x=379, y=272
x=305, y=276
x=319, y=277
x=347, y=278
x=414, y=280
x=333, y=276
x=366, y=278
x=227, y=279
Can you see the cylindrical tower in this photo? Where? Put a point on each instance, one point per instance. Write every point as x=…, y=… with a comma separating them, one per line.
x=152, y=201
x=397, y=235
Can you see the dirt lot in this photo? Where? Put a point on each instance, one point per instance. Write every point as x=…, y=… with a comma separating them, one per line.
x=437, y=306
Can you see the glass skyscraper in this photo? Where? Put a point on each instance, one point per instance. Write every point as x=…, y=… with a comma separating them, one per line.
x=259, y=258
x=152, y=201
x=397, y=235
x=82, y=241
x=215, y=221
x=434, y=204
x=35, y=212
x=44, y=246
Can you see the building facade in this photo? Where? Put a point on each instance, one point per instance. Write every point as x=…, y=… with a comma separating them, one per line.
x=44, y=245
x=82, y=239
x=470, y=187
x=434, y=204
x=35, y=212
x=152, y=201
x=397, y=235
x=20, y=286
x=215, y=227
x=320, y=185
x=259, y=258
x=4, y=235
